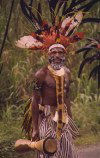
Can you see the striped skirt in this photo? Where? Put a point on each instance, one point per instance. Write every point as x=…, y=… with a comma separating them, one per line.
x=65, y=147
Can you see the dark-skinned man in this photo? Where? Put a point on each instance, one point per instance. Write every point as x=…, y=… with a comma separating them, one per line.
x=50, y=107
x=45, y=98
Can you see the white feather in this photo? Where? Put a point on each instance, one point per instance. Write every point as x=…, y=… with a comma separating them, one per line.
x=65, y=22
x=75, y=22
x=28, y=42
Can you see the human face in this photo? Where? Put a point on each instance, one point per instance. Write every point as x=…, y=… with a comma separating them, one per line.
x=56, y=58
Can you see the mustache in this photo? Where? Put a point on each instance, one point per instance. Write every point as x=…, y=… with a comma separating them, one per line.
x=52, y=59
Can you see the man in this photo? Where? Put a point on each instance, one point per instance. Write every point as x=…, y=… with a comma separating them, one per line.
x=45, y=88
x=46, y=95
x=51, y=111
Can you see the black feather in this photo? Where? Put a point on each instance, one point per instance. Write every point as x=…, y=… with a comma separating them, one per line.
x=64, y=8
x=31, y=2
x=28, y=13
x=52, y=5
x=71, y=8
x=39, y=14
x=60, y=5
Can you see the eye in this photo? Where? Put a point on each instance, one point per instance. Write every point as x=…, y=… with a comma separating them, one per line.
x=61, y=53
x=52, y=53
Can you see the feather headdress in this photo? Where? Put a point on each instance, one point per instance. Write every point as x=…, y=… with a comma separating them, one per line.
x=65, y=20
x=62, y=32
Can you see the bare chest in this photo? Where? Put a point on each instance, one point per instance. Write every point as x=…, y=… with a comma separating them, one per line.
x=51, y=83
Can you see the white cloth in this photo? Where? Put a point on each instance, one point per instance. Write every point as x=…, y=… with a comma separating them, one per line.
x=57, y=45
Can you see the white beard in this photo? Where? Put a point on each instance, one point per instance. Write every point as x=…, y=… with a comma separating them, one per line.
x=56, y=66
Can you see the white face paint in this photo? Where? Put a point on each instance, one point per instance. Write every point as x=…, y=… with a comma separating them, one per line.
x=56, y=58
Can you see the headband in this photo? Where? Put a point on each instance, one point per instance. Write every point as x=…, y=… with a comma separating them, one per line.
x=56, y=46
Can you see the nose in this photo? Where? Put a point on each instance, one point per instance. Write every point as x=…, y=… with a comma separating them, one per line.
x=57, y=54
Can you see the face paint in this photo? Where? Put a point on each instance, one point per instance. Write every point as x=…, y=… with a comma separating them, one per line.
x=56, y=59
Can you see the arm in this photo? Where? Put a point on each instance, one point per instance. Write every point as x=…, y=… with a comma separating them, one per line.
x=39, y=76
x=35, y=113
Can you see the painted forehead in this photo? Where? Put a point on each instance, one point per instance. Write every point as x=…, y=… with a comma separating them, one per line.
x=56, y=49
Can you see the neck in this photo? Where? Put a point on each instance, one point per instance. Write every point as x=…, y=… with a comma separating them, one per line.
x=59, y=72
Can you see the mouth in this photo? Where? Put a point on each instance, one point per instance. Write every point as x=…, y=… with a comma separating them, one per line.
x=57, y=61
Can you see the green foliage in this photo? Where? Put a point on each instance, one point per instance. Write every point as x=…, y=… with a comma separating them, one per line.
x=86, y=109
x=12, y=112
x=16, y=80
x=10, y=131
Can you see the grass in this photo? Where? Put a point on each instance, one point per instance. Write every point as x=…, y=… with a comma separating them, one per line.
x=87, y=139
x=11, y=131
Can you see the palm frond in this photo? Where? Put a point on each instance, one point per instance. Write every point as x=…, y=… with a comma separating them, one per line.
x=80, y=5
x=88, y=6
x=83, y=49
x=95, y=71
x=86, y=53
x=93, y=20
x=87, y=60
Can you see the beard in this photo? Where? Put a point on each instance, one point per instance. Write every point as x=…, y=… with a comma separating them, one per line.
x=53, y=61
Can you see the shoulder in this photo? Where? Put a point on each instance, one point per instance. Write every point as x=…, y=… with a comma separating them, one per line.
x=41, y=73
x=67, y=71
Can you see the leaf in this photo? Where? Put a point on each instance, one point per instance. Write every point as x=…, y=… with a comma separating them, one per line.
x=85, y=53
x=94, y=20
x=95, y=71
x=88, y=6
x=87, y=60
x=83, y=49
